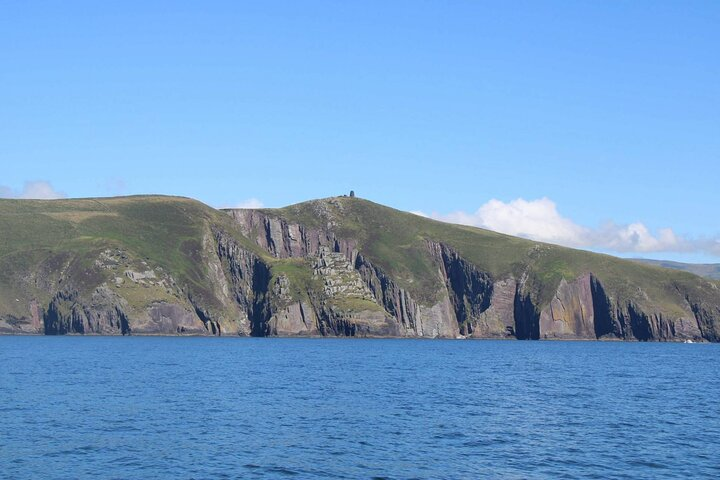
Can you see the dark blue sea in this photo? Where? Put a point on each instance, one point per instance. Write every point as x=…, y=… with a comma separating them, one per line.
x=154, y=407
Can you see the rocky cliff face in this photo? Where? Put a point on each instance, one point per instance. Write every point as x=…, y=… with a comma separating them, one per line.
x=399, y=315
x=104, y=310
x=470, y=301
x=583, y=310
x=255, y=272
x=134, y=298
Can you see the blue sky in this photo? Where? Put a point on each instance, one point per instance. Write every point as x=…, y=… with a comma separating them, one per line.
x=568, y=121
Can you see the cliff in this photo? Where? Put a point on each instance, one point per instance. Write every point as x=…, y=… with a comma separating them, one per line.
x=435, y=279
x=334, y=267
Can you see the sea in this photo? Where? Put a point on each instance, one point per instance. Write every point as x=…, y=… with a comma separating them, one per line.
x=204, y=408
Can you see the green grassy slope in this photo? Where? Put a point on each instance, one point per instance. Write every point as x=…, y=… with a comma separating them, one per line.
x=396, y=241
x=708, y=270
x=43, y=241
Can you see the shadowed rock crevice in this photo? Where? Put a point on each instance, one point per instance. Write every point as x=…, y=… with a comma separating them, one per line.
x=63, y=315
x=394, y=300
x=469, y=289
x=330, y=325
x=212, y=326
x=704, y=316
x=249, y=280
x=527, y=317
x=605, y=324
x=260, y=309
x=124, y=323
x=639, y=323
x=69, y=313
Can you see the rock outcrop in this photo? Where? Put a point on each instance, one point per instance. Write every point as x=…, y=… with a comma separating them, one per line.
x=471, y=303
x=571, y=313
x=336, y=267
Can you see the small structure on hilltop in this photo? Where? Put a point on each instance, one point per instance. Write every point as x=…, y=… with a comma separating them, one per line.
x=352, y=193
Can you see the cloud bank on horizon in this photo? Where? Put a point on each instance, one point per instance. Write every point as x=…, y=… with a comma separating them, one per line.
x=540, y=220
x=35, y=190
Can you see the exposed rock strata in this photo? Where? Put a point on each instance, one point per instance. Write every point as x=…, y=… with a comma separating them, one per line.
x=307, y=281
x=103, y=315
x=472, y=303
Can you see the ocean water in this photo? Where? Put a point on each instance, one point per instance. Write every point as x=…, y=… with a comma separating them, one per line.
x=154, y=407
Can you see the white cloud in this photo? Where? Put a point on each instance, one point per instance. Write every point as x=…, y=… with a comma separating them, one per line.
x=636, y=237
x=39, y=190
x=537, y=219
x=249, y=203
x=540, y=220
x=419, y=213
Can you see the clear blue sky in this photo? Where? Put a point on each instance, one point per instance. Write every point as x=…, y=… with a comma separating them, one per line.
x=609, y=109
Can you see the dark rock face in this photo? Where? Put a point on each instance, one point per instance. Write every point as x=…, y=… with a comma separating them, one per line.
x=67, y=314
x=604, y=322
x=706, y=319
x=473, y=303
x=286, y=240
x=244, y=275
x=465, y=306
x=583, y=310
x=469, y=289
x=395, y=300
x=527, y=318
x=211, y=325
x=178, y=309
x=250, y=282
x=641, y=324
x=341, y=291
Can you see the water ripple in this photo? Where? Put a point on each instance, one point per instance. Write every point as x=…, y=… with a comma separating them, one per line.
x=78, y=407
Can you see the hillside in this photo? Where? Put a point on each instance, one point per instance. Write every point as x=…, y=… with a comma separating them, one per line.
x=337, y=266
x=114, y=266
x=708, y=270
